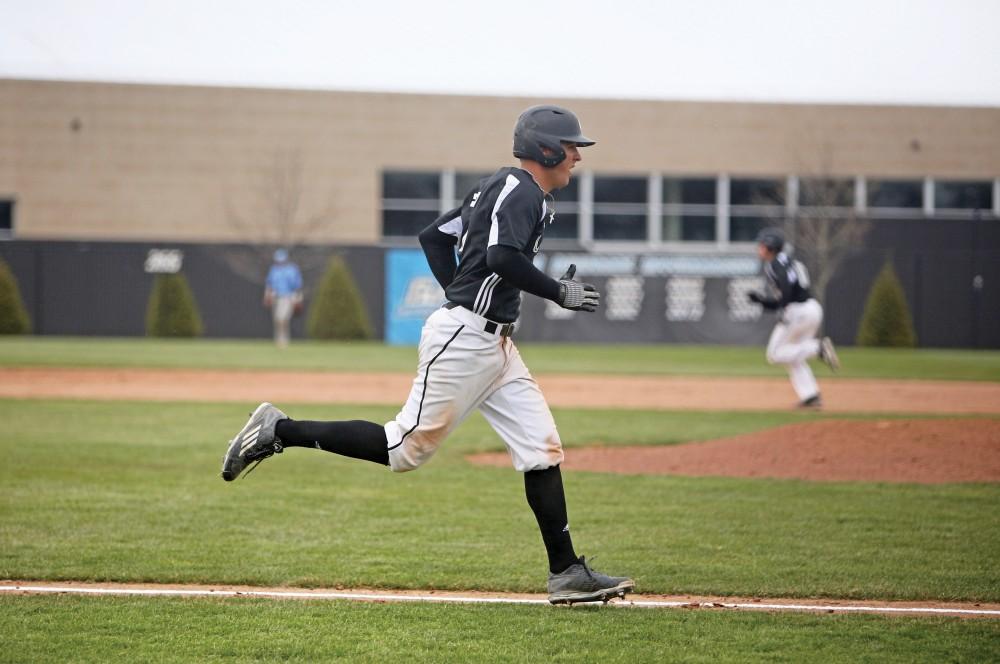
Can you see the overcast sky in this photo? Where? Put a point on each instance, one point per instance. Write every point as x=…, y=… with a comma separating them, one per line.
x=855, y=51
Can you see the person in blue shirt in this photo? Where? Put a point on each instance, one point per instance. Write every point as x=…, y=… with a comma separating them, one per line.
x=283, y=294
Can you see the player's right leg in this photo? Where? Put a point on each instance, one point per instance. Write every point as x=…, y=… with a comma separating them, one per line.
x=283, y=307
x=518, y=412
x=804, y=383
x=582, y=583
x=283, y=332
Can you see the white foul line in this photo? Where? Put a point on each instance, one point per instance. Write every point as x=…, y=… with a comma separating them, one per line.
x=464, y=599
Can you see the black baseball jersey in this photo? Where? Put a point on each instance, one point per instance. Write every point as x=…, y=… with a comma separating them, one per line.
x=510, y=209
x=787, y=280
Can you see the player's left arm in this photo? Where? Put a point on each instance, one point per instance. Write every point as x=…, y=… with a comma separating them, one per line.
x=514, y=225
x=515, y=268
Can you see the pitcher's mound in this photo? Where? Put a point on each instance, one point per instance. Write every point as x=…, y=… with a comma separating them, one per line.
x=924, y=451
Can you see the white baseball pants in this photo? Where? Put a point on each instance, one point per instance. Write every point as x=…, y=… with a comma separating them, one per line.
x=794, y=341
x=281, y=314
x=462, y=368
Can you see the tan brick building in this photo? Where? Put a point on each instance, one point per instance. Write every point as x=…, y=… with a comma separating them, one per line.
x=176, y=163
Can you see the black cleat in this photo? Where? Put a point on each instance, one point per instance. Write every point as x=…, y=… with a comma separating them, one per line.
x=812, y=402
x=580, y=583
x=256, y=441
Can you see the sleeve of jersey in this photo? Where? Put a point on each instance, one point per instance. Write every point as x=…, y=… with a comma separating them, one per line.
x=516, y=269
x=438, y=242
x=516, y=212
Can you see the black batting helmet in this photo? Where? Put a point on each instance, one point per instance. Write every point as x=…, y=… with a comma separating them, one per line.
x=773, y=238
x=547, y=127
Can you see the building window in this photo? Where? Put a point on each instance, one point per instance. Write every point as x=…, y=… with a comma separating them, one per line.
x=466, y=181
x=627, y=227
x=620, y=190
x=624, y=208
x=689, y=209
x=826, y=192
x=621, y=208
x=566, y=202
x=568, y=195
x=954, y=195
x=411, y=200
x=898, y=194
x=6, y=217
x=406, y=223
x=411, y=185
x=565, y=226
x=755, y=203
x=757, y=192
x=745, y=227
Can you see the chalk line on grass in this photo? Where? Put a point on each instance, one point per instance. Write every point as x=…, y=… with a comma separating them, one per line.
x=373, y=596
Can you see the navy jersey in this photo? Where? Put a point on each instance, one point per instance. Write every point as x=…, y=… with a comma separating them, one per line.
x=510, y=209
x=788, y=281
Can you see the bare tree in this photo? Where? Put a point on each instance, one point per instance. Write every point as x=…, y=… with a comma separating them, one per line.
x=826, y=228
x=823, y=225
x=274, y=215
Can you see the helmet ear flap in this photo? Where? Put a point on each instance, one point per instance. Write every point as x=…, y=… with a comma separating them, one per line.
x=531, y=144
x=557, y=156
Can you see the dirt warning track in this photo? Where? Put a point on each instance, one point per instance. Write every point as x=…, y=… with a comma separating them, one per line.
x=561, y=390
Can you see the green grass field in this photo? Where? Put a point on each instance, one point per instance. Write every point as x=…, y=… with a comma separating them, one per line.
x=129, y=491
x=178, y=630
x=926, y=364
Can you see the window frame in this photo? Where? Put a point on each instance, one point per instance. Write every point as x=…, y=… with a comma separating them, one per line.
x=10, y=202
x=656, y=211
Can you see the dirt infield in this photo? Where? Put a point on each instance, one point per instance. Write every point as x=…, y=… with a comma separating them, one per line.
x=920, y=451
x=964, y=609
x=645, y=392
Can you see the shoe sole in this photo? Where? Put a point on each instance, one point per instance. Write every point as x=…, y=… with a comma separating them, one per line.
x=602, y=595
x=229, y=476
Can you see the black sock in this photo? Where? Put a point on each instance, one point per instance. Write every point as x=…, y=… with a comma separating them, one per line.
x=354, y=438
x=544, y=489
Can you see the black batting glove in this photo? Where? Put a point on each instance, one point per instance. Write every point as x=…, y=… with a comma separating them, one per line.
x=755, y=297
x=576, y=295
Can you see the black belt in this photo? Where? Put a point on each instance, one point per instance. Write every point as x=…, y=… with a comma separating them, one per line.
x=491, y=327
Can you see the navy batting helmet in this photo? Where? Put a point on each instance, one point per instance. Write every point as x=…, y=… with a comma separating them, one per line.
x=547, y=127
x=773, y=238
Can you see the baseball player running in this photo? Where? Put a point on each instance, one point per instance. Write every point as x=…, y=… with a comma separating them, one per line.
x=467, y=359
x=793, y=340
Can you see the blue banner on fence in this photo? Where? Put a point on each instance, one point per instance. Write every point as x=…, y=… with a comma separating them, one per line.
x=411, y=295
